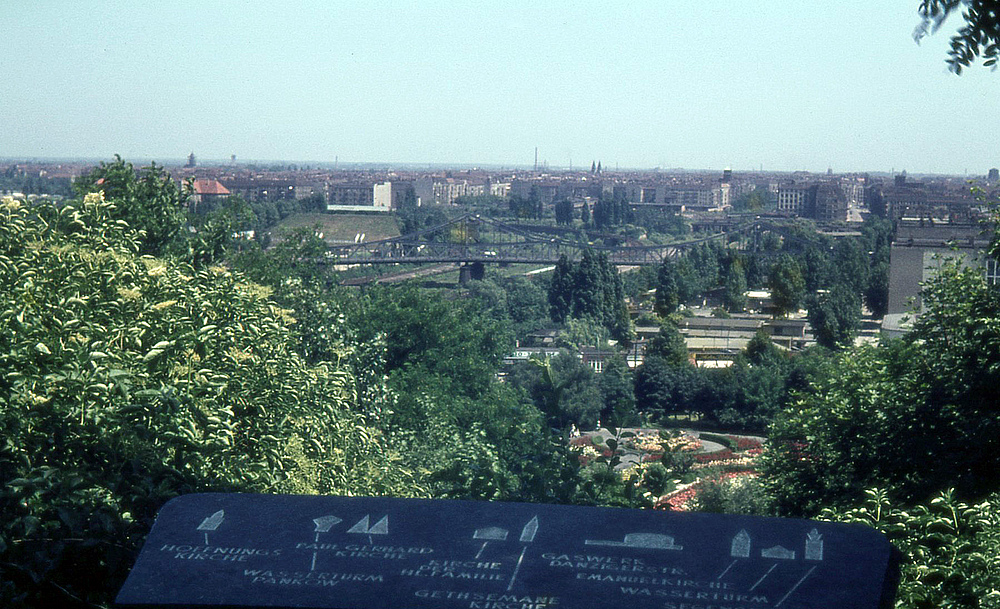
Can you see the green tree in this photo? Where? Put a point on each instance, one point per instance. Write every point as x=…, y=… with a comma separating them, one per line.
x=638, y=282
x=582, y=332
x=761, y=393
x=859, y=421
x=148, y=201
x=563, y=388
x=581, y=402
x=835, y=316
x=564, y=212
x=615, y=314
x=851, y=264
x=756, y=272
x=669, y=345
x=603, y=214
x=786, y=284
x=527, y=304
x=535, y=202
x=409, y=201
x=736, y=286
x=427, y=337
x=588, y=287
x=689, y=281
x=748, y=394
x=492, y=298
x=217, y=233
x=770, y=241
x=667, y=289
x=592, y=290
x=665, y=387
x=877, y=234
x=818, y=268
x=617, y=390
x=704, y=261
x=757, y=200
x=761, y=351
x=877, y=291
x=561, y=289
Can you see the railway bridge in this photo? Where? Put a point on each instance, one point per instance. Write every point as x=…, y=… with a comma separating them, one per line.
x=473, y=239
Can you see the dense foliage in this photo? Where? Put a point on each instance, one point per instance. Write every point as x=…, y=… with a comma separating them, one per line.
x=914, y=416
x=591, y=289
x=949, y=548
x=745, y=396
x=799, y=266
x=129, y=379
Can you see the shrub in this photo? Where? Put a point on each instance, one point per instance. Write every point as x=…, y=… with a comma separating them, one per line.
x=726, y=441
x=128, y=380
x=950, y=549
x=657, y=478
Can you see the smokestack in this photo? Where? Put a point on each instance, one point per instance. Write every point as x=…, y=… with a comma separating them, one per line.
x=536, y=158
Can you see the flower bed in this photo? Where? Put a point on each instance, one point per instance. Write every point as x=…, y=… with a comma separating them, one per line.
x=652, y=441
x=678, y=500
x=721, y=455
x=649, y=444
x=743, y=444
x=587, y=451
x=735, y=464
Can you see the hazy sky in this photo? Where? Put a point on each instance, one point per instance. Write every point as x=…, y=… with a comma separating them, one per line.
x=708, y=84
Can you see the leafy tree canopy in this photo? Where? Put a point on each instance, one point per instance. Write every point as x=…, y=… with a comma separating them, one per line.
x=787, y=285
x=129, y=379
x=915, y=416
x=978, y=37
x=148, y=201
x=835, y=316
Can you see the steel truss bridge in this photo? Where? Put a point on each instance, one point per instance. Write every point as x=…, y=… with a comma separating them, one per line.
x=474, y=239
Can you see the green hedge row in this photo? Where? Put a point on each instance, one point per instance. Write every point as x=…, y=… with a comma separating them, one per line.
x=724, y=440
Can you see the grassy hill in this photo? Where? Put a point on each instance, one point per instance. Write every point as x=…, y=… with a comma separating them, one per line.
x=343, y=227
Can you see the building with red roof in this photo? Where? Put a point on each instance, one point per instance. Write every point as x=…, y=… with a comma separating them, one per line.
x=207, y=194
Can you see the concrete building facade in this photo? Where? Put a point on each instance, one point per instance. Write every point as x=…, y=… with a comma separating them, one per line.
x=919, y=251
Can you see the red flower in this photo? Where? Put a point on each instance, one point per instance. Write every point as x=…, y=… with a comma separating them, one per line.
x=721, y=455
x=745, y=443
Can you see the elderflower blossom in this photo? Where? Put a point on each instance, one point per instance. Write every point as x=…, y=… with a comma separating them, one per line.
x=163, y=305
x=129, y=293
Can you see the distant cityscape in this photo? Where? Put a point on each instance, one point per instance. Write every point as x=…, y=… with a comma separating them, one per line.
x=824, y=197
x=933, y=216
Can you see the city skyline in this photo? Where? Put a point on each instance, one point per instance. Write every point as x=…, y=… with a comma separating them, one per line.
x=640, y=87
x=426, y=167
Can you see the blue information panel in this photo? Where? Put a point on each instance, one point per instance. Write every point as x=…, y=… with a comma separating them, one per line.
x=235, y=550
